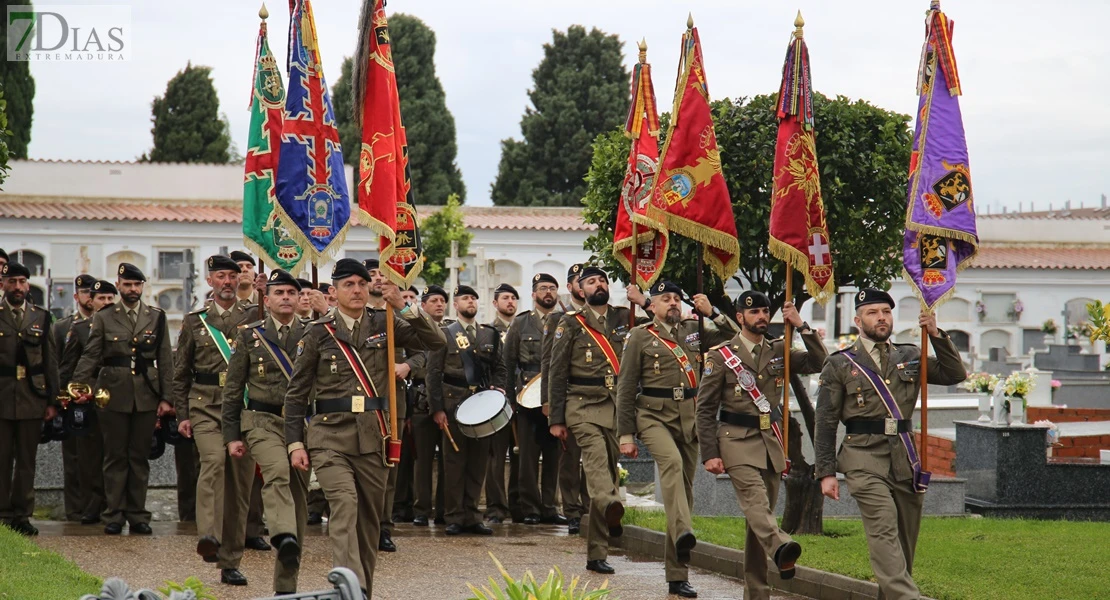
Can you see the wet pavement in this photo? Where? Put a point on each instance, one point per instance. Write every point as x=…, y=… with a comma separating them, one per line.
x=428, y=564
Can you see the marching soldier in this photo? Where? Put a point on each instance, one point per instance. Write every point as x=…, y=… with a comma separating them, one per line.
x=404, y=498
x=585, y=362
x=250, y=281
x=89, y=447
x=739, y=421
x=342, y=361
x=28, y=395
x=426, y=434
x=258, y=373
x=469, y=362
x=656, y=399
x=224, y=483
x=872, y=387
x=522, y=356
x=73, y=496
x=499, y=504
x=128, y=354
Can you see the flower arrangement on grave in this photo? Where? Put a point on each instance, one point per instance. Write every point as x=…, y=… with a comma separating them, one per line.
x=981, y=309
x=1016, y=308
x=623, y=474
x=1049, y=327
x=1099, y=326
x=1078, y=330
x=845, y=341
x=980, y=383
x=1018, y=385
x=527, y=588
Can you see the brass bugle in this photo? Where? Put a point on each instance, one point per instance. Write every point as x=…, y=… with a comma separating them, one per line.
x=77, y=390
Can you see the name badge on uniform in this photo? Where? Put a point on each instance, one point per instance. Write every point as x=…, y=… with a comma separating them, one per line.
x=223, y=378
x=20, y=372
x=358, y=404
x=764, y=421
x=589, y=355
x=462, y=341
x=261, y=370
x=859, y=400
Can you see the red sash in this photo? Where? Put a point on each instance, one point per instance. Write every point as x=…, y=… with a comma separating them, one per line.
x=747, y=381
x=355, y=361
x=679, y=355
x=602, y=342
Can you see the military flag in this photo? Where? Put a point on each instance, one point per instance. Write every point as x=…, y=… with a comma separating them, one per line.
x=311, y=183
x=690, y=194
x=799, y=233
x=386, y=202
x=264, y=232
x=640, y=243
x=941, y=237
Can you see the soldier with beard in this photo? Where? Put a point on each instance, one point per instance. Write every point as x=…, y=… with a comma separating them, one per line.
x=502, y=502
x=29, y=387
x=522, y=356
x=425, y=433
x=859, y=387
x=128, y=354
x=73, y=497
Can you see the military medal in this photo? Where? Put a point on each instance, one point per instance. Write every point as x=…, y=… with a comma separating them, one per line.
x=261, y=370
x=610, y=381
x=739, y=391
x=334, y=368
x=655, y=367
x=859, y=400
x=462, y=341
x=223, y=378
x=589, y=355
x=764, y=421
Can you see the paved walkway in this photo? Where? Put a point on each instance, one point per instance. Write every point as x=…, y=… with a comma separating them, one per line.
x=428, y=565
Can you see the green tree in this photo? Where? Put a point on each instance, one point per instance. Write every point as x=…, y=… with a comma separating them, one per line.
x=19, y=88
x=863, y=152
x=187, y=125
x=580, y=90
x=437, y=231
x=4, y=135
x=429, y=126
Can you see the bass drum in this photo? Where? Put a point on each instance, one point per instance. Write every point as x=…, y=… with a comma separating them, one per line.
x=483, y=414
x=529, y=396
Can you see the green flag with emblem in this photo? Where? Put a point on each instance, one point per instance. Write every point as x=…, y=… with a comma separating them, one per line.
x=264, y=233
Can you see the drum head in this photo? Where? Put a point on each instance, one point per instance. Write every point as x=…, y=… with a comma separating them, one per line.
x=480, y=407
x=529, y=396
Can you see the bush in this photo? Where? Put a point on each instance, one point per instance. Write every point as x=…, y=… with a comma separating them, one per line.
x=527, y=588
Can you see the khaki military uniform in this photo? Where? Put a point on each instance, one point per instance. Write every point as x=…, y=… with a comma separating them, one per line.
x=133, y=361
x=73, y=497
x=345, y=446
x=876, y=466
x=655, y=402
x=753, y=457
x=503, y=502
x=224, y=483
x=260, y=425
x=523, y=356
x=448, y=386
x=28, y=383
x=402, y=414
x=573, y=494
x=426, y=438
x=582, y=396
x=89, y=448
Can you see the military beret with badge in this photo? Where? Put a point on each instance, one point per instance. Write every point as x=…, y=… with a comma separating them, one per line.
x=129, y=272
x=433, y=290
x=592, y=271
x=372, y=263
x=348, y=267
x=504, y=287
x=83, y=282
x=573, y=271
x=873, y=296
x=752, y=299
x=465, y=290
x=539, y=278
x=219, y=262
x=104, y=287
x=282, y=277
x=665, y=287
x=14, y=269
x=305, y=284
x=239, y=256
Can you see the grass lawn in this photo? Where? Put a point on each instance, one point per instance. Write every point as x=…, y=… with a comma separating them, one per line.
x=957, y=558
x=28, y=572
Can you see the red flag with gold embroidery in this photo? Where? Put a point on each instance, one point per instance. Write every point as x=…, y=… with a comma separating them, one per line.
x=644, y=256
x=386, y=202
x=690, y=194
x=799, y=233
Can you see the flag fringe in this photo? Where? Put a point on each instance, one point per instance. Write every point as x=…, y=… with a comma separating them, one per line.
x=308, y=249
x=262, y=254
x=384, y=231
x=917, y=292
x=800, y=261
x=705, y=235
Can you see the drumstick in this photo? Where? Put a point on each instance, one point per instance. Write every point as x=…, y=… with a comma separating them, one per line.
x=516, y=440
x=450, y=438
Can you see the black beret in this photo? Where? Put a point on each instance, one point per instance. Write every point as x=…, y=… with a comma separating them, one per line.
x=433, y=290
x=324, y=286
x=665, y=287
x=590, y=272
x=504, y=287
x=157, y=445
x=240, y=256
x=465, y=290
x=542, y=277
x=104, y=287
x=3, y=254
x=346, y=267
x=412, y=288
x=170, y=432
x=873, y=296
x=130, y=272
x=305, y=284
x=372, y=263
x=280, y=277
x=14, y=269
x=219, y=262
x=83, y=282
x=752, y=299
x=573, y=271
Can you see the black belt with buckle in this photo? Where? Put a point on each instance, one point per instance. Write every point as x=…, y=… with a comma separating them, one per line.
x=593, y=381
x=878, y=427
x=350, y=404
x=675, y=393
x=7, y=371
x=529, y=367
x=460, y=382
x=752, y=421
x=128, y=362
x=210, y=378
x=273, y=409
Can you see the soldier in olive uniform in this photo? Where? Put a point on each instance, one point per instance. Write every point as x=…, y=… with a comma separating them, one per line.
x=28, y=395
x=655, y=400
x=879, y=463
x=259, y=371
x=252, y=284
x=73, y=497
x=224, y=483
x=404, y=498
x=523, y=357
x=502, y=502
x=346, y=436
x=425, y=433
x=90, y=447
x=739, y=417
x=585, y=361
x=128, y=354
x=470, y=362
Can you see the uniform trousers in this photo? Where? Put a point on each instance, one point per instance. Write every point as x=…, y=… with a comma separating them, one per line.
x=891, y=513
x=19, y=443
x=677, y=460
x=600, y=454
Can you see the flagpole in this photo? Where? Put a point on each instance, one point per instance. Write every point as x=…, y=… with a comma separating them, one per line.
x=393, y=450
x=787, y=340
x=632, y=273
x=316, y=285
x=701, y=290
x=261, y=304
x=923, y=446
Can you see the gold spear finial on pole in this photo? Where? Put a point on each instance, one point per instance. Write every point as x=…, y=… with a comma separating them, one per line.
x=799, y=22
x=263, y=13
x=690, y=21
x=642, y=45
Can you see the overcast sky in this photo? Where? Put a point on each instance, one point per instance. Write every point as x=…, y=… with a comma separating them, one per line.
x=1036, y=75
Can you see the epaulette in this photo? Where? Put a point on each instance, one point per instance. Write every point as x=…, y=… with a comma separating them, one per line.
x=521, y=315
x=324, y=319
x=247, y=307
x=644, y=325
x=571, y=313
x=719, y=346
x=258, y=323
x=155, y=308
x=488, y=326
x=199, y=310
x=446, y=321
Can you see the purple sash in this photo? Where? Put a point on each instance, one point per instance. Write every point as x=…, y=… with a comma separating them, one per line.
x=920, y=478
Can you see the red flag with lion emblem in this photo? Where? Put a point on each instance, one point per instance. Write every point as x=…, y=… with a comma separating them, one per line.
x=386, y=203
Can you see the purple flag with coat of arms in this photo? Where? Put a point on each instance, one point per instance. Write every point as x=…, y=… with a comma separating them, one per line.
x=940, y=238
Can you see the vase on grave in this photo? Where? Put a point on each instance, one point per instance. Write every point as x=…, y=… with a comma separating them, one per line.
x=984, y=408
